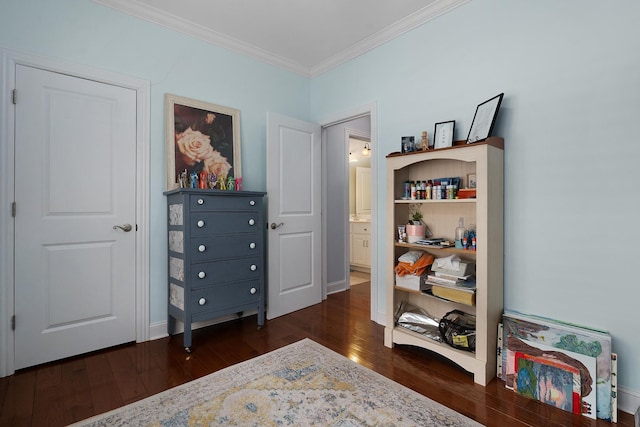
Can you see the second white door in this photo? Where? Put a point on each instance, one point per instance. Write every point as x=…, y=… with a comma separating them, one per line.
x=294, y=214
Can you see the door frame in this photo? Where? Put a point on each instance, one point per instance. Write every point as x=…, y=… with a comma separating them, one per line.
x=370, y=110
x=8, y=61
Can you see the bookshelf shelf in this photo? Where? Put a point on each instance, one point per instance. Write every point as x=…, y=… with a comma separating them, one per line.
x=429, y=201
x=485, y=213
x=465, y=359
x=463, y=252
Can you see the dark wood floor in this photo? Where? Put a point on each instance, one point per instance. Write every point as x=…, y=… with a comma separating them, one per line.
x=61, y=393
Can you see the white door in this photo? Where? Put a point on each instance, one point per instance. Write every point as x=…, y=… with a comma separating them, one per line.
x=294, y=201
x=75, y=161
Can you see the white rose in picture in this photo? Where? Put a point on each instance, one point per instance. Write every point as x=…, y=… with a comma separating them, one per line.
x=215, y=163
x=194, y=146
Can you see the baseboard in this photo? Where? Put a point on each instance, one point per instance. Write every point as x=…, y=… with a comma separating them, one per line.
x=360, y=269
x=158, y=330
x=628, y=400
x=335, y=287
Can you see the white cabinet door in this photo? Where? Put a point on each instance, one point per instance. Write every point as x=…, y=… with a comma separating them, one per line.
x=360, y=246
x=363, y=191
x=361, y=250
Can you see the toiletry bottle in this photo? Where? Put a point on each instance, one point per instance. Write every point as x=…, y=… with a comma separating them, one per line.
x=461, y=233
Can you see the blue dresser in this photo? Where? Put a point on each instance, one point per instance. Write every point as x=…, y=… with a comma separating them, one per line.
x=216, y=256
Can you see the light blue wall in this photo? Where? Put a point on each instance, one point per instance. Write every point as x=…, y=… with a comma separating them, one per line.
x=570, y=72
x=81, y=32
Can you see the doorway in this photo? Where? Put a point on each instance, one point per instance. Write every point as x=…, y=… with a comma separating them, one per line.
x=336, y=183
x=359, y=206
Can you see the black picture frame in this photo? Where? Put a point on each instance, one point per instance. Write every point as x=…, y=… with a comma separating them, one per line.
x=443, y=134
x=484, y=119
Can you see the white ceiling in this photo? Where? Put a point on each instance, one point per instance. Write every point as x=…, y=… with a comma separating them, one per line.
x=308, y=37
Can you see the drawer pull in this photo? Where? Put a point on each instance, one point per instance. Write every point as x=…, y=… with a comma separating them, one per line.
x=201, y=201
x=252, y=245
x=253, y=291
x=202, y=301
x=202, y=275
x=252, y=221
x=254, y=267
x=200, y=224
x=202, y=248
x=252, y=203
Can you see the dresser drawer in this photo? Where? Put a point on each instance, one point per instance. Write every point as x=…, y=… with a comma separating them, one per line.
x=223, y=271
x=205, y=202
x=210, y=223
x=216, y=298
x=228, y=246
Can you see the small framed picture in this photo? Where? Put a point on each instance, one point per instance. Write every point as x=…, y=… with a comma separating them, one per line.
x=484, y=119
x=443, y=134
x=471, y=180
x=408, y=144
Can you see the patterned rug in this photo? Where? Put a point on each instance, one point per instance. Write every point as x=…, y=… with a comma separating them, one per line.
x=301, y=384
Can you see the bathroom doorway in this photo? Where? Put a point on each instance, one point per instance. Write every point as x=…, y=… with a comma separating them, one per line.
x=359, y=208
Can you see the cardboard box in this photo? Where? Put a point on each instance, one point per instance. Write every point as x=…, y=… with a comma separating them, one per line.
x=411, y=282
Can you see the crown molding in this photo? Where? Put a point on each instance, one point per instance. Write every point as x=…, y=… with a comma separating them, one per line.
x=173, y=22
x=435, y=9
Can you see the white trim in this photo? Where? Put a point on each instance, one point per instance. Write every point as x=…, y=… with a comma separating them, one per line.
x=405, y=25
x=7, y=114
x=370, y=110
x=628, y=400
x=168, y=20
x=175, y=23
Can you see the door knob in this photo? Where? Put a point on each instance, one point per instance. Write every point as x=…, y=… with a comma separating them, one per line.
x=126, y=228
x=274, y=225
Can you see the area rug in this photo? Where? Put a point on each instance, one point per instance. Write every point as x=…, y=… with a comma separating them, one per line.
x=301, y=384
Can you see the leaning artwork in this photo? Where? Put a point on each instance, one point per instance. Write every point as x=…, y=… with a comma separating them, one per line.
x=202, y=142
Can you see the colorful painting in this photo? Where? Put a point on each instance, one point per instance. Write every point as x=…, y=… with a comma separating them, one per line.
x=549, y=381
x=562, y=338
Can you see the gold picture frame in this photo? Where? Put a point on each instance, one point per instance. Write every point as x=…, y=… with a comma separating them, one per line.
x=200, y=137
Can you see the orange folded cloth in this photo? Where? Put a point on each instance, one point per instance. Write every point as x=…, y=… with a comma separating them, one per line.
x=417, y=268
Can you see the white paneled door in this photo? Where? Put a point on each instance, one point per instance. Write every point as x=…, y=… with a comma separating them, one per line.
x=294, y=202
x=75, y=190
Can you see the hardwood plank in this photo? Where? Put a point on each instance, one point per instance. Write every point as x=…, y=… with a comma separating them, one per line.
x=125, y=372
x=48, y=401
x=104, y=391
x=77, y=403
x=17, y=408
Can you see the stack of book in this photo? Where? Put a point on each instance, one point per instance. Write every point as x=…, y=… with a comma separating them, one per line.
x=457, y=285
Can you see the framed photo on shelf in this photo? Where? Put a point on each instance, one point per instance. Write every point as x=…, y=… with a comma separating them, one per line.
x=484, y=119
x=471, y=180
x=200, y=137
x=443, y=134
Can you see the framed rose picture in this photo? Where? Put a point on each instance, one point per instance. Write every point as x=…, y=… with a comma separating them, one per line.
x=201, y=138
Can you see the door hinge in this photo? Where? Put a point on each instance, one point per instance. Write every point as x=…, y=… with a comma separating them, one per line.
x=13, y=209
x=13, y=322
x=14, y=96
